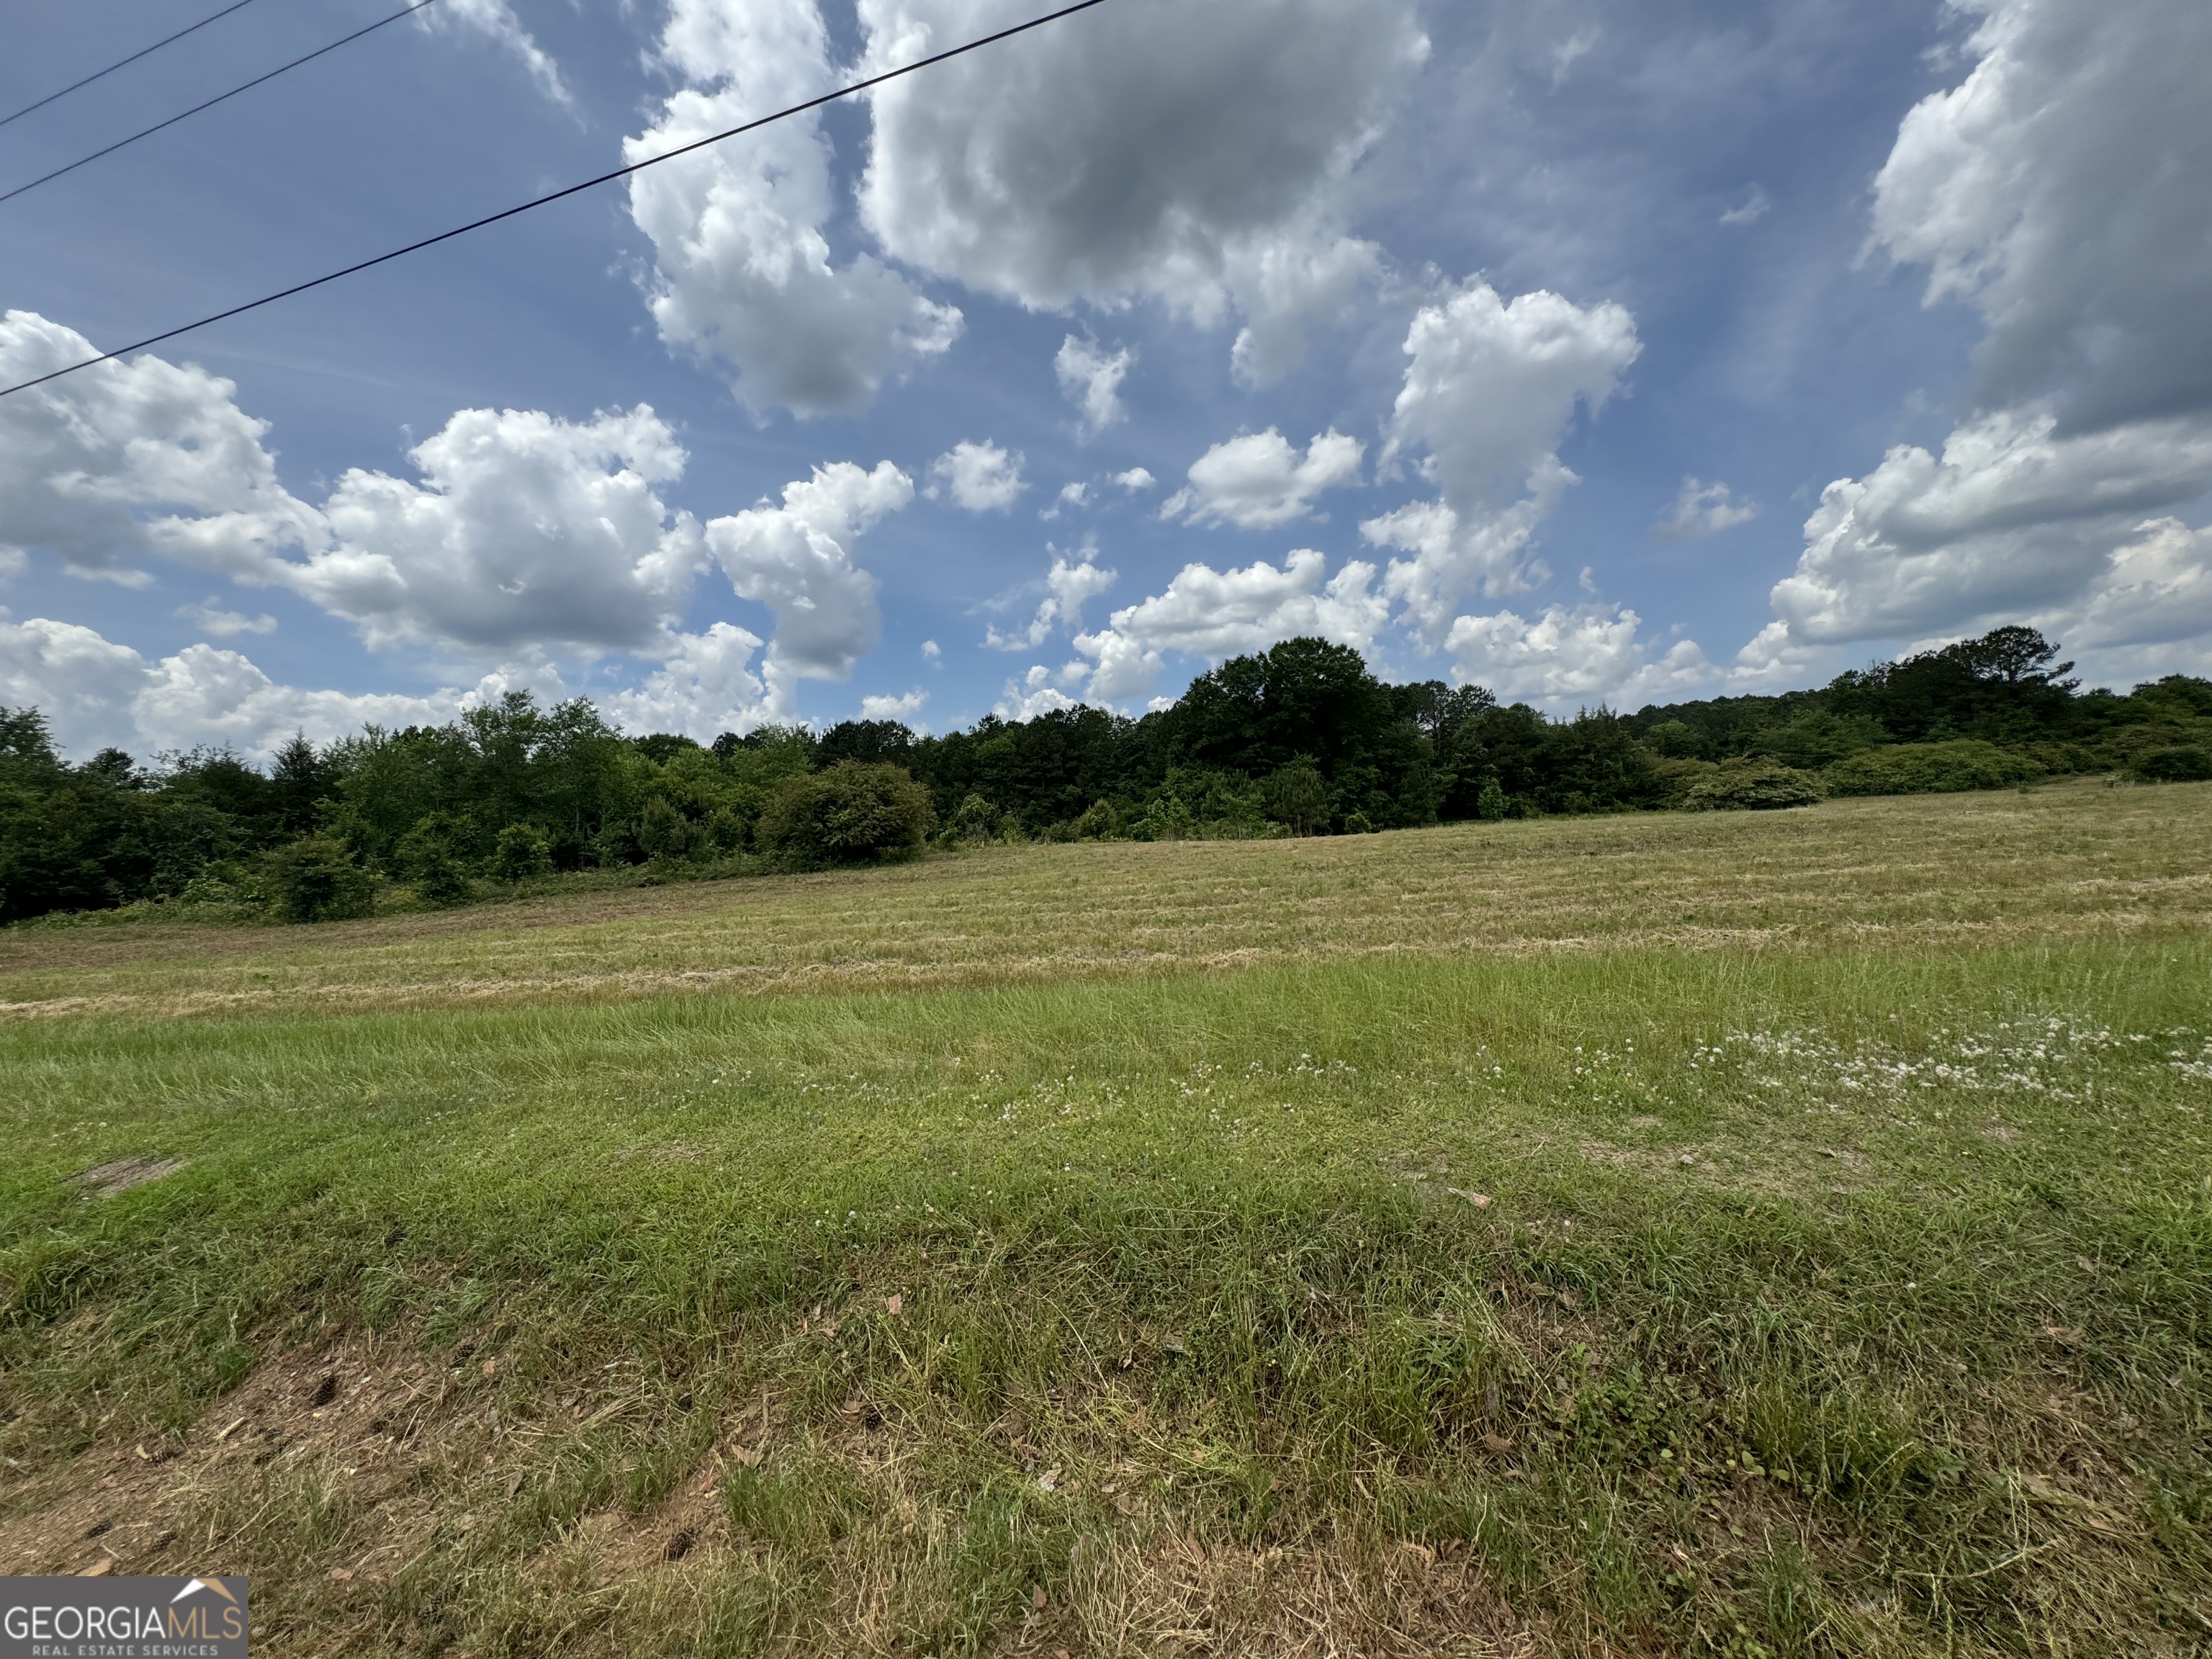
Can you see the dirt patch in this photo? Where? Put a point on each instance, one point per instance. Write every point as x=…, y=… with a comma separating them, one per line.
x=393, y=1447
x=123, y=1174
x=124, y=1502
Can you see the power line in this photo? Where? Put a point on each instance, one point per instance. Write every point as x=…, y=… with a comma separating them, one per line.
x=120, y=62
x=541, y=201
x=248, y=87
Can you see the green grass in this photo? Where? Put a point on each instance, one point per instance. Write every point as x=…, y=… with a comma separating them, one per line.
x=1624, y=1299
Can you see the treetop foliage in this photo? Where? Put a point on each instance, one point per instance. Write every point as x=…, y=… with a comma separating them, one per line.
x=1299, y=740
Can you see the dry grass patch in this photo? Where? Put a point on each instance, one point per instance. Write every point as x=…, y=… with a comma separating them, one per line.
x=2070, y=860
x=1333, y=1598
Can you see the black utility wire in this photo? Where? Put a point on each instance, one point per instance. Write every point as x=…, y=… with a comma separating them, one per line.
x=120, y=62
x=604, y=178
x=248, y=87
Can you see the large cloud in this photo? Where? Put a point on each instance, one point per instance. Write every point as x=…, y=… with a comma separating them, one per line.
x=525, y=531
x=127, y=460
x=525, y=536
x=1585, y=654
x=2059, y=188
x=797, y=560
x=97, y=693
x=1257, y=480
x=2013, y=516
x=1216, y=614
x=1490, y=390
x=1197, y=154
x=705, y=686
x=743, y=264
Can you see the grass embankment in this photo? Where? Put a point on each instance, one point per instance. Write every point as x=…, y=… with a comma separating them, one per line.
x=1483, y=1272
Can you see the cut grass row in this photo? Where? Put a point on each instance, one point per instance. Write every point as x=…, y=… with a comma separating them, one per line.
x=1717, y=1302
x=2070, y=860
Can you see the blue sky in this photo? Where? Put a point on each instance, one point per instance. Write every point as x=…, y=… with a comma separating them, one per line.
x=1590, y=351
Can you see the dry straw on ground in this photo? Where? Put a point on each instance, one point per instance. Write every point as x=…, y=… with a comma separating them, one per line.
x=2070, y=860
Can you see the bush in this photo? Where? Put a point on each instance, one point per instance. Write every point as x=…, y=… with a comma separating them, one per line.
x=1166, y=819
x=1490, y=800
x=662, y=831
x=2179, y=764
x=1929, y=768
x=429, y=856
x=316, y=879
x=1099, y=822
x=522, y=850
x=852, y=813
x=1751, y=786
x=976, y=820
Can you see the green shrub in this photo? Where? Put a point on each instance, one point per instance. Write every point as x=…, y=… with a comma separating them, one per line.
x=1929, y=768
x=316, y=879
x=1750, y=785
x=522, y=850
x=662, y=831
x=726, y=831
x=2183, y=764
x=1166, y=819
x=429, y=856
x=1099, y=822
x=852, y=813
x=1490, y=800
x=976, y=820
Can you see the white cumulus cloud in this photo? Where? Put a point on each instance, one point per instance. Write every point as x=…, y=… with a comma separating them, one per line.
x=1032, y=695
x=527, y=530
x=1257, y=480
x=96, y=693
x=742, y=267
x=1217, y=614
x=524, y=534
x=1197, y=154
x=705, y=685
x=127, y=460
x=223, y=625
x=2059, y=188
x=1578, y=655
x=2013, y=516
x=983, y=478
x=796, y=559
x=886, y=708
x=1490, y=391
x=1069, y=585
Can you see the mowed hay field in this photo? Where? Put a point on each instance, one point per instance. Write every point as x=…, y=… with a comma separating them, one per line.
x=1743, y=1234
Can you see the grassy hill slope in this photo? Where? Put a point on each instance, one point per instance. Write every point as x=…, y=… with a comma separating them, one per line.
x=1776, y=1234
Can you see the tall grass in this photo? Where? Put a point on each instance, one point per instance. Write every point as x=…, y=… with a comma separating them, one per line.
x=1907, y=1356
x=1788, y=1237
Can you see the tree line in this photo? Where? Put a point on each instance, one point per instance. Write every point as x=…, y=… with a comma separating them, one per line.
x=1300, y=739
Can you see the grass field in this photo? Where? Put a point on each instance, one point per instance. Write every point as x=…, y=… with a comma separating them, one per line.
x=1739, y=1234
